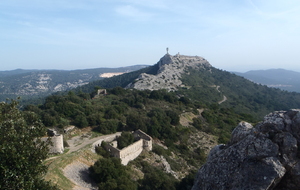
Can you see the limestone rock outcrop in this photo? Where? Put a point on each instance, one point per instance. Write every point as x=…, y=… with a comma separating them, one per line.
x=264, y=157
x=169, y=74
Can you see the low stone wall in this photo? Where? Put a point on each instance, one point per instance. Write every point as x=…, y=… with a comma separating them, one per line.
x=69, y=128
x=108, y=138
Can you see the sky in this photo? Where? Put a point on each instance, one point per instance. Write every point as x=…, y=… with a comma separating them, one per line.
x=233, y=35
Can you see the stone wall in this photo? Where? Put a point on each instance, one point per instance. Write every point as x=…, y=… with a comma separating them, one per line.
x=69, y=128
x=57, y=146
x=115, y=152
x=147, y=140
x=107, y=138
x=132, y=151
x=128, y=153
x=101, y=91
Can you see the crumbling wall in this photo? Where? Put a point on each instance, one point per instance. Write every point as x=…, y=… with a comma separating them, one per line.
x=57, y=146
x=101, y=91
x=147, y=140
x=69, y=128
x=108, y=138
x=115, y=152
x=130, y=152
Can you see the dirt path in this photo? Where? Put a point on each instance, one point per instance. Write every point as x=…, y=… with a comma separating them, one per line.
x=78, y=172
x=187, y=118
x=79, y=142
x=224, y=99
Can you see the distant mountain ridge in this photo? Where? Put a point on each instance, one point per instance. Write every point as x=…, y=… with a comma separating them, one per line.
x=15, y=72
x=25, y=83
x=277, y=78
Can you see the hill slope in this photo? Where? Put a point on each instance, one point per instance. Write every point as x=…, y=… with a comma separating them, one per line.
x=277, y=78
x=213, y=101
x=194, y=78
x=44, y=82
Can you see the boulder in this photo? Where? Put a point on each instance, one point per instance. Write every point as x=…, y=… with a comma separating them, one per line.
x=264, y=157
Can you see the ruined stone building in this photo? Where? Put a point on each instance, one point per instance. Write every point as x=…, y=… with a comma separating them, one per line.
x=57, y=146
x=143, y=142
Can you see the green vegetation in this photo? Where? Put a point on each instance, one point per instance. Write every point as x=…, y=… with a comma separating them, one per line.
x=220, y=121
x=154, y=112
x=157, y=113
x=110, y=174
x=24, y=82
x=156, y=179
x=242, y=95
x=21, y=150
x=125, y=139
x=120, y=110
x=56, y=165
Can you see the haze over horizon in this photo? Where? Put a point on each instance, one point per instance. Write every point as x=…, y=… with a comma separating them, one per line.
x=232, y=35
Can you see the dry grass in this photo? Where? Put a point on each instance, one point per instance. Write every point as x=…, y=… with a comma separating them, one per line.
x=56, y=165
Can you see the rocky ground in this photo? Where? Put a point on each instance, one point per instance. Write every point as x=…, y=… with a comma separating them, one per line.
x=169, y=74
x=78, y=173
x=264, y=157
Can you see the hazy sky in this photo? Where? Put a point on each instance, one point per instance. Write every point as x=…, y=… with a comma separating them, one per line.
x=233, y=35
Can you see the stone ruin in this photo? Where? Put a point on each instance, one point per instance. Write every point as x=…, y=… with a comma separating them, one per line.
x=264, y=157
x=101, y=92
x=143, y=142
x=57, y=142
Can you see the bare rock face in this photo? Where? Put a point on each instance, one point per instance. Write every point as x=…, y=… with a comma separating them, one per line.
x=264, y=157
x=169, y=74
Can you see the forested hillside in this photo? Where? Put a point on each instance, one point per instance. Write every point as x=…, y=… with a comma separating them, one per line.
x=276, y=78
x=155, y=112
x=212, y=101
x=242, y=95
x=30, y=84
x=210, y=85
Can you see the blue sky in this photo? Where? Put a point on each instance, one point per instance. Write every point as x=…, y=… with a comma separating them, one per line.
x=233, y=35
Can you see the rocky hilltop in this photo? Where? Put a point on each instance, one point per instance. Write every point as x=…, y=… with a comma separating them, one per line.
x=169, y=73
x=264, y=157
